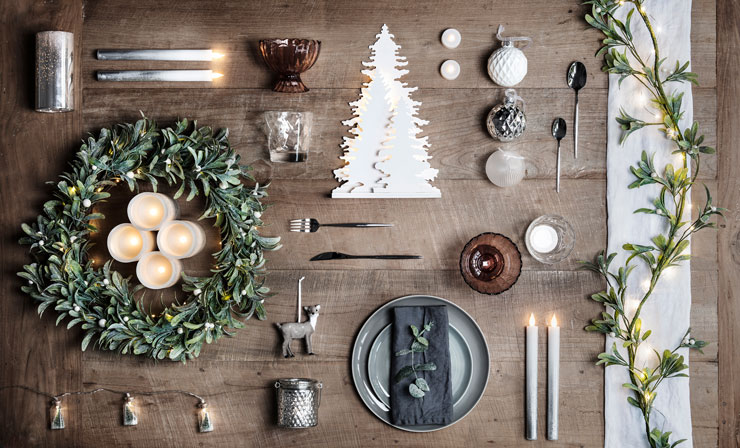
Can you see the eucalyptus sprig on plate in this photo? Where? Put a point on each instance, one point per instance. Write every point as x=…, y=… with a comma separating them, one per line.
x=419, y=387
x=102, y=301
x=621, y=57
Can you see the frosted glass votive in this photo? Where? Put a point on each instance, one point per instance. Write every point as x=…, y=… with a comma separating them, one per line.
x=148, y=211
x=127, y=244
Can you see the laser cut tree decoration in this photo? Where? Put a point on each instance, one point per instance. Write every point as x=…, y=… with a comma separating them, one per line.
x=385, y=158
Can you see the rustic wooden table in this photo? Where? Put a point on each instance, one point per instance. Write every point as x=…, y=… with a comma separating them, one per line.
x=237, y=374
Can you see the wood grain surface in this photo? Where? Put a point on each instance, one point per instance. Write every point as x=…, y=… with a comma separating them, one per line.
x=236, y=374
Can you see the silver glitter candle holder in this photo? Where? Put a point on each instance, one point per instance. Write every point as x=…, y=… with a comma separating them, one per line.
x=298, y=401
x=54, y=71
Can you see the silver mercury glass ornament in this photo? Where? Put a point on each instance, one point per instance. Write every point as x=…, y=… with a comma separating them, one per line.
x=507, y=121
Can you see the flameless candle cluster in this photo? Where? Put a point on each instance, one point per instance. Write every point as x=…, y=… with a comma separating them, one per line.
x=148, y=212
x=553, y=378
x=450, y=68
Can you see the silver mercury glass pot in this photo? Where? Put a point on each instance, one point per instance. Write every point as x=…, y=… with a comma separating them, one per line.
x=298, y=401
x=54, y=71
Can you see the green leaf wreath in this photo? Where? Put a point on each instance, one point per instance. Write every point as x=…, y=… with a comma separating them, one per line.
x=99, y=299
x=623, y=59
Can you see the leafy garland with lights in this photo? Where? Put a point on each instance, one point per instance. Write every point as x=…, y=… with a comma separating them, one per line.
x=102, y=301
x=675, y=184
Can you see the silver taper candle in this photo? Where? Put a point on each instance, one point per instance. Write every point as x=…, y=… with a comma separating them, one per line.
x=54, y=71
x=553, y=378
x=157, y=55
x=531, y=380
x=158, y=75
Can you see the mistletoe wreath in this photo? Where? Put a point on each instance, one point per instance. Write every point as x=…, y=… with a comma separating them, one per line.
x=100, y=299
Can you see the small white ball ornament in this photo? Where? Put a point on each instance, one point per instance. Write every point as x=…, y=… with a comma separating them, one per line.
x=180, y=331
x=86, y=203
x=507, y=66
x=101, y=323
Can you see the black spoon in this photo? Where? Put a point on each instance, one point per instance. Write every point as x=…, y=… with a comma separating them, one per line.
x=576, y=80
x=558, y=131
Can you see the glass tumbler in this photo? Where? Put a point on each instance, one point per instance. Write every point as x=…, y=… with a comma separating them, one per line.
x=288, y=135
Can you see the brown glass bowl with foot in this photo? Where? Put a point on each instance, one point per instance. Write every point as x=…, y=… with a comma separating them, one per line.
x=289, y=58
x=490, y=263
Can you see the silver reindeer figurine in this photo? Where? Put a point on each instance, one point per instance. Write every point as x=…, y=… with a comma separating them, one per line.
x=298, y=329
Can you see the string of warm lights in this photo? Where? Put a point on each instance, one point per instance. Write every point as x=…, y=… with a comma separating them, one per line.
x=130, y=418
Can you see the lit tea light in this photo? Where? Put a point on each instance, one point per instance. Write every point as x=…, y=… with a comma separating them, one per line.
x=543, y=238
x=450, y=69
x=149, y=211
x=451, y=38
x=156, y=270
x=126, y=243
x=181, y=239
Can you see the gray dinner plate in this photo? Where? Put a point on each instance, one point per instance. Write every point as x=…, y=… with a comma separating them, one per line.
x=465, y=326
x=379, y=365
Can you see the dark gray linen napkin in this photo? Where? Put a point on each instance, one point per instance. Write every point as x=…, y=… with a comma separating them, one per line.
x=435, y=407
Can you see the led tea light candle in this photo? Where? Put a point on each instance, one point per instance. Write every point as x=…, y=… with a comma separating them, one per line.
x=126, y=243
x=531, y=379
x=544, y=238
x=148, y=211
x=450, y=70
x=553, y=378
x=181, y=239
x=451, y=38
x=156, y=270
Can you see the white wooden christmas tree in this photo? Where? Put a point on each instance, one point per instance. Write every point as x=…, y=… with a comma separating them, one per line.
x=385, y=158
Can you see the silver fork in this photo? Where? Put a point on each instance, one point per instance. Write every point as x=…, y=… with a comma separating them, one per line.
x=312, y=225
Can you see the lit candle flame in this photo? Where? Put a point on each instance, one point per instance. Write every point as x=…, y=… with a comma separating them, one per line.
x=531, y=320
x=216, y=75
x=216, y=55
x=554, y=321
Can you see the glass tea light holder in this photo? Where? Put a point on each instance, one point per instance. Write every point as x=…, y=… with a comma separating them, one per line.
x=156, y=270
x=149, y=211
x=55, y=71
x=550, y=239
x=288, y=135
x=127, y=244
x=181, y=239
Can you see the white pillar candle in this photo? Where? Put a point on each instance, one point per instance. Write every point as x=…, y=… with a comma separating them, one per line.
x=158, y=55
x=126, y=243
x=543, y=238
x=158, y=75
x=149, y=211
x=450, y=69
x=156, y=270
x=181, y=239
x=531, y=380
x=451, y=38
x=553, y=378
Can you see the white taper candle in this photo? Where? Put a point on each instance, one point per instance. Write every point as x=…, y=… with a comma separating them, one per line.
x=531, y=380
x=553, y=378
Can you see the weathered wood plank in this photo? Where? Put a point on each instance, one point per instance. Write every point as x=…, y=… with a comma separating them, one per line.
x=728, y=91
x=346, y=28
x=35, y=353
x=460, y=142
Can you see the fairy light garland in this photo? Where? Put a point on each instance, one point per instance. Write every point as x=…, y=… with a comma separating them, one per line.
x=130, y=418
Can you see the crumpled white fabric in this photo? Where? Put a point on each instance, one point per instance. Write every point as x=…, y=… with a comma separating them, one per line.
x=667, y=311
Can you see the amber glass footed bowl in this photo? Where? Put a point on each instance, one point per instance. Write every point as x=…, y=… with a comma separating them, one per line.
x=289, y=58
x=490, y=263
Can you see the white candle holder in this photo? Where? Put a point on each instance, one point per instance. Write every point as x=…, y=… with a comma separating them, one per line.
x=181, y=239
x=127, y=244
x=550, y=239
x=156, y=270
x=451, y=38
x=149, y=211
x=450, y=70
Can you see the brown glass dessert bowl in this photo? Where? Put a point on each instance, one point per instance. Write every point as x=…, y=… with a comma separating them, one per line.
x=289, y=58
x=490, y=263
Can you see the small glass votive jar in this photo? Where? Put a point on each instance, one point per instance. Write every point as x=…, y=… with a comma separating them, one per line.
x=149, y=211
x=288, y=135
x=550, y=239
x=181, y=239
x=127, y=244
x=298, y=401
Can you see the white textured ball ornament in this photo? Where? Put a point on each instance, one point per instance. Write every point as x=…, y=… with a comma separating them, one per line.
x=101, y=323
x=507, y=66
